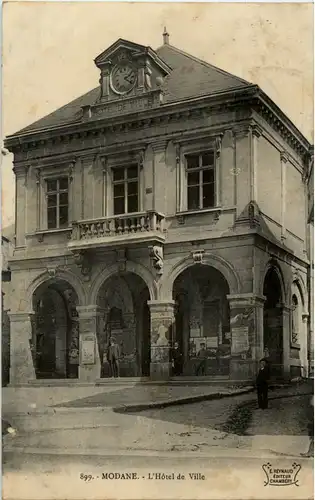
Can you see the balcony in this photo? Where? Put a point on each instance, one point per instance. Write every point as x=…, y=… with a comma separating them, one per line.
x=136, y=228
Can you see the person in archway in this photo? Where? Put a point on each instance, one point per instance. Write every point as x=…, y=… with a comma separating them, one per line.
x=113, y=355
x=177, y=360
x=202, y=358
x=262, y=385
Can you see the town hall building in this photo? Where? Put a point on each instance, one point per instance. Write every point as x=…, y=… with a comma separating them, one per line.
x=167, y=205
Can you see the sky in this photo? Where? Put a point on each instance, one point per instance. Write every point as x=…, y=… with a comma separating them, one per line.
x=49, y=51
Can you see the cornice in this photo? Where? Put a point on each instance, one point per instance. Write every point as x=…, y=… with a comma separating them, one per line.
x=167, y=113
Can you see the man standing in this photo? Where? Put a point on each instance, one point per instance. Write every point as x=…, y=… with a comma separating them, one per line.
x=202, y=356
x=113, y=355
x=262, y=385
x=310, y=428
x=177, y=360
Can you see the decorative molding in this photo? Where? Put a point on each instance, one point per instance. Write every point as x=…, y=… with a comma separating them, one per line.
x=71, y=170
x=200, y=106
x=218, y=144
x=284, y=157
x=121, y=259
x=159, y=146
x=177, y=152
x=257, y=131
x=82, y=260
x=198, y=256
x=156, y=253
x=37, y=175
x=141, y=159
x=52, y=271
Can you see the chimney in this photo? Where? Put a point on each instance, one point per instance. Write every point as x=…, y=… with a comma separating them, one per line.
x=166, y=37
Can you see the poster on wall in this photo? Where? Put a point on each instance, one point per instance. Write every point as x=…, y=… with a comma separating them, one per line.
x=240, y=340
x=212, y=342
x=87, y=352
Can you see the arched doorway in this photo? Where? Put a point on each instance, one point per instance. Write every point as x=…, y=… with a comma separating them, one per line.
x=298, y=334
x=122, y=300
x=273, y=322
x=202, y=321
x=55, y=339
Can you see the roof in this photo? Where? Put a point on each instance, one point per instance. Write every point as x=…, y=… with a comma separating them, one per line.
x=190, y=77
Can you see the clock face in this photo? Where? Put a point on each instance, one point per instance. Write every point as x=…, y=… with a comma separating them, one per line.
x=123, y=78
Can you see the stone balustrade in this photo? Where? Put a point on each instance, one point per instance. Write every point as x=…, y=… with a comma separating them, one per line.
x=118, y=225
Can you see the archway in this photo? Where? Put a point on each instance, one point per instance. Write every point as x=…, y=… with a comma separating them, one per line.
x=202, y=321
x=122, y=300
x=273, y=321
x=55, y=339
x=298, y=334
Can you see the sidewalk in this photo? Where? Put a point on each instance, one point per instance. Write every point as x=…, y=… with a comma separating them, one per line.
x=119, y=396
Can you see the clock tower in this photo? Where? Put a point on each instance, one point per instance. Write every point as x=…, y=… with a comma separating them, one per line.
x=129, y=69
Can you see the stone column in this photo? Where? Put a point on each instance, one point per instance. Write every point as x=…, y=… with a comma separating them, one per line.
x=246, y=323
x=286, y=335
x=90, y=363
x=22, y=368
x=162, y=328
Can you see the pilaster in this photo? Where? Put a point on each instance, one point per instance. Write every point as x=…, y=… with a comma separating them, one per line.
x=22, y=368
x=162, y=331
x=284, y=159
x=159, y=174
x=89, y=323
x=246, y=323
x=21, y=173
x=286, y=329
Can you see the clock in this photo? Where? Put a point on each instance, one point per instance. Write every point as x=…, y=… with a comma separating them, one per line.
x=123, y=78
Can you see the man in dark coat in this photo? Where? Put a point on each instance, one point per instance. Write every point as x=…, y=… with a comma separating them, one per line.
x=177, y=360
x=262, y=384
x=113, y=355
x=310, y=427
x=202, y=356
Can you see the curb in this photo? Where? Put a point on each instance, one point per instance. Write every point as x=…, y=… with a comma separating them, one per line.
x=179, y=401
x=147, y=454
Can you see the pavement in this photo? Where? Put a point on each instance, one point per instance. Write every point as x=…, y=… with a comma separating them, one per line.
x=201, y=425
x=222, y=438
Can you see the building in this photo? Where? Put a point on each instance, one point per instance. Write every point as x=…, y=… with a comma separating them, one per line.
x=167, y=204
x=310, y=195
x=6, y=251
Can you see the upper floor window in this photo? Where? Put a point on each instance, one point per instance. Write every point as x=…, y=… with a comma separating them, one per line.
x=126, y=189
x=201, y=182
x=57, y=203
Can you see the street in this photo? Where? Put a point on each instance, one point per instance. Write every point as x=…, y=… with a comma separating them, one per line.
x=225, y=440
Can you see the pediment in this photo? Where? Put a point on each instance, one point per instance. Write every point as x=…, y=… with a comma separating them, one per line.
x=123, y=49
x=129, y=70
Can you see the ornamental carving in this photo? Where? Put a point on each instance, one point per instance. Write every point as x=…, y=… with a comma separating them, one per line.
x=81, y=259
x=198, y=256
x=156, y=253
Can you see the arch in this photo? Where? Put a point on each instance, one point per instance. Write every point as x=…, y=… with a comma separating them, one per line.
x=218, y=263
x=45, y=279
x=298, y=282
x=131, y=267
x=274, y=265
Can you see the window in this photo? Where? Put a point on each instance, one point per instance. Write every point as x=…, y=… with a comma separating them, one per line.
x=201, y=192
x=295, y=320
x=57, y=203
x=126, y=189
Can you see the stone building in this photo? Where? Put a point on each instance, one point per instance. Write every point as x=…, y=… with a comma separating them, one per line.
x=167, y=204
x=6, y=253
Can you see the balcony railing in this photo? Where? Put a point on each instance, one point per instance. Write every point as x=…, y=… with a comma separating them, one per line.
x=139, y=226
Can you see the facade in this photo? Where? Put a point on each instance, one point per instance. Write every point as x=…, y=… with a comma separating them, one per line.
x=6, y=250
x=169, y=204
